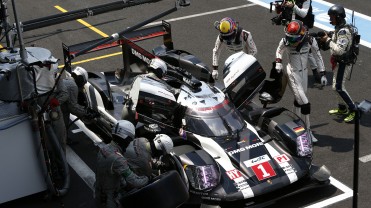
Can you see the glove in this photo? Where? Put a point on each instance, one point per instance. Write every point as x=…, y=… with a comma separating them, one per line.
x=323, y=79
x=279, y=67
x=215, y=74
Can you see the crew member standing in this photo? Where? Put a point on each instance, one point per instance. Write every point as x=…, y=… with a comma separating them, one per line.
x=297, y=45
x=302, y=10
x=234, y=38
x=340, y=48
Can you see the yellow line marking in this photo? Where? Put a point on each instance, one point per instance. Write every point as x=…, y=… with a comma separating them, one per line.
x=84, y=23
x=93, y=59
x=95, y=30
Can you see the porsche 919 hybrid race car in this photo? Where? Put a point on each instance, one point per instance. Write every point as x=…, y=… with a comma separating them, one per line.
x=228, y=150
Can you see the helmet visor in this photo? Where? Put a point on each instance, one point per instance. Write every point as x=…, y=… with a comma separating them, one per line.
x=292, y=39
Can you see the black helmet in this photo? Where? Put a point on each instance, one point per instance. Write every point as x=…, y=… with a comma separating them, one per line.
x=337, y=10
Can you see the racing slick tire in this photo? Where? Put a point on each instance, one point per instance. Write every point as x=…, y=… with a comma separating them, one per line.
x=164, y=191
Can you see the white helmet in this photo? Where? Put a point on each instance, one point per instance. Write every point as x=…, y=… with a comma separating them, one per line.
x=123, y=133
x=158, y=67
x=80, y=75
x=163, y=143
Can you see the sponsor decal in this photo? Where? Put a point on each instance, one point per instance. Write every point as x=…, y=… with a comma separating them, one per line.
x=233, y=174
x=261, y=167
x=288, y=169
x=298, y=129
x=282, y=158
x=242, y=185
x=140, y=56
x=211, y=198
x=247, y=147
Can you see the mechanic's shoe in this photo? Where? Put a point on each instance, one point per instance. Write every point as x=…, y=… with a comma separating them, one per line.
x=338, y=111
x=350, y=117
x=314, y=139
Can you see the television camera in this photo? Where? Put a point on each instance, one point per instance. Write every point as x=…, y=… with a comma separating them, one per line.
x=284, y=13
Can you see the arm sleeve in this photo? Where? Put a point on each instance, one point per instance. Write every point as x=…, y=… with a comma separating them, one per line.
x=73, y=106
x=280, y=49
x=249, y=44
x=303, y=11
x=62, y=92
x=340, y=47
x=317, y=55
x=216, y=51
x=121, y=167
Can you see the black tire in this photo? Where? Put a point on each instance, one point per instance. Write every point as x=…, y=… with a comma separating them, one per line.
x=165, y=191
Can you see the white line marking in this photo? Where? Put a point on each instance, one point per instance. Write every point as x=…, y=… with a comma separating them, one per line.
x=366, y=158
x=348, y=192
x=80, y=167
x=203, y=14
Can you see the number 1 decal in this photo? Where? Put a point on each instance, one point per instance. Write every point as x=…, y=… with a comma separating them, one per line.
x=261, y=167
x=263, y=170
x=265, y=174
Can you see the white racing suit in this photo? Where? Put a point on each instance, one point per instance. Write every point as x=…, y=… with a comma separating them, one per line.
x=297, y=73
x=339, y=45
x=244, y=42
x=301, y=11
x=113, y=174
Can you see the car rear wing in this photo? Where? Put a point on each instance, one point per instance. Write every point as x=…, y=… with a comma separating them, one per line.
x=126, y=41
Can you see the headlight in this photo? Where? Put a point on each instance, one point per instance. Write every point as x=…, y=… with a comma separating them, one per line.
x=203, y=177
x=304, y=145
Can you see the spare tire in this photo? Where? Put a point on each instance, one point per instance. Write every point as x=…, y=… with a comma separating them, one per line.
x=165, y=191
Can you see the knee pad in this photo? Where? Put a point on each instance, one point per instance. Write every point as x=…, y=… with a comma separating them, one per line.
x=305, y=109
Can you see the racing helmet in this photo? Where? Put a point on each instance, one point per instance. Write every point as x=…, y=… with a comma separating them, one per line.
x=339, y=12
x=123, y=132
x=80, y=75
x=227, y=28
x=163, y=143
x=295, y=32
x=158, y=67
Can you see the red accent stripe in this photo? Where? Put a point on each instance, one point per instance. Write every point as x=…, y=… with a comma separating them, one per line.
x=225, y=102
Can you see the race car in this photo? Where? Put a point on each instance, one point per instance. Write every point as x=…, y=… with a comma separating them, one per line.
x=229, y=151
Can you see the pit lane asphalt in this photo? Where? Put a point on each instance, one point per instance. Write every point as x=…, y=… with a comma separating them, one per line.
x=196, y=34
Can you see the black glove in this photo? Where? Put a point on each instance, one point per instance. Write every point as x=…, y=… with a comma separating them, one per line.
x=91, y=113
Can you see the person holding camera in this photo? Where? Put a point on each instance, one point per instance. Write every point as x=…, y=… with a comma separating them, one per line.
x=234, y=38
x=298, y=45
x=340, y=44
